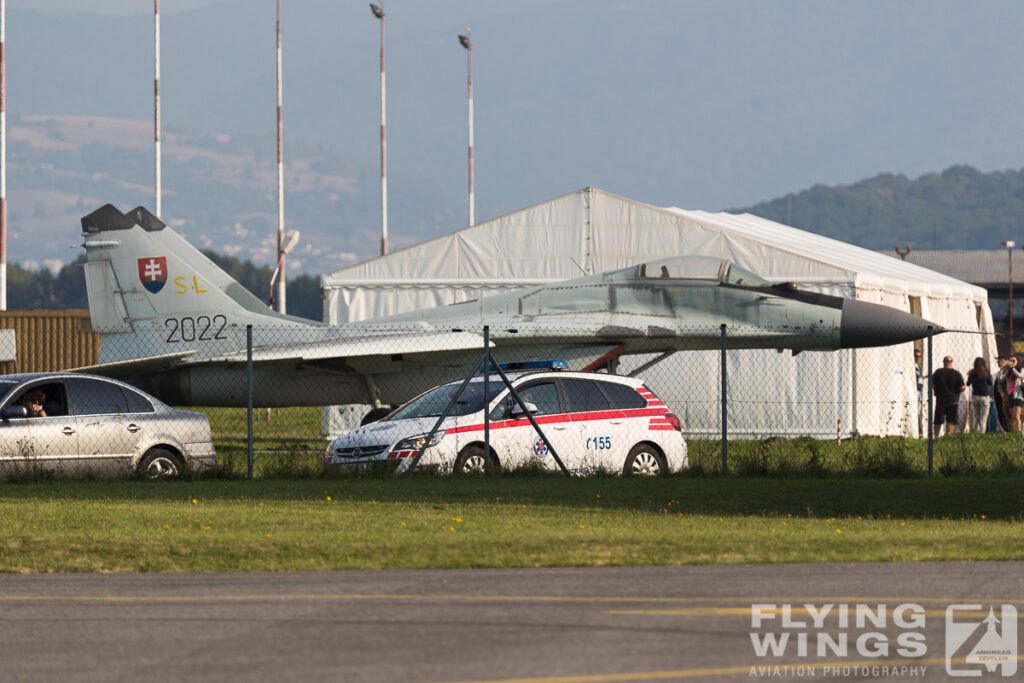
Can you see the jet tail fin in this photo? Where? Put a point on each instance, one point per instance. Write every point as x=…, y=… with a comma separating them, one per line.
x=142, y=272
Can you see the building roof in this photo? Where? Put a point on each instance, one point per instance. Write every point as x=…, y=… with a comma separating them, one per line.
x=982, y=267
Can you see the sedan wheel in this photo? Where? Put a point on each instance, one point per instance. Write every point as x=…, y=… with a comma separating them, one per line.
x=643, y=460
x=159, y=463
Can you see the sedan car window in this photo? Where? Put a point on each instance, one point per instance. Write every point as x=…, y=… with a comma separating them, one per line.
x=53, y=402
x=95, y=397
x=137, y=403
x=5, y=387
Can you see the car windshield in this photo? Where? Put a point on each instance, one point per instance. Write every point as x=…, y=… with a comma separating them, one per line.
x=434, y=402
x=6, y=387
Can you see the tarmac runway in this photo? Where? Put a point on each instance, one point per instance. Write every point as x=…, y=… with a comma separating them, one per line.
x=526, y=625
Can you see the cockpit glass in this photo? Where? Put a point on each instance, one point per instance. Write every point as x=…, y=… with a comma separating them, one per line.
x=708, y=268
x=740, y=277
x=681, y=268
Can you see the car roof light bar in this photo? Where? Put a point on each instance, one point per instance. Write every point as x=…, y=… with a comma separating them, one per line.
x=516, y=366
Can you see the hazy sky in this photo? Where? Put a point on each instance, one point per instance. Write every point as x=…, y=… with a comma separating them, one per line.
x=706, y=104
x=115, y=7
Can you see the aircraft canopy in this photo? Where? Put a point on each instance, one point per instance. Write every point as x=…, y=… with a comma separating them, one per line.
x=704, y=268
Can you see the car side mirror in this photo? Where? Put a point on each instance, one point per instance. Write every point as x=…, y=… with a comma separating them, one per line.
x=517, y=409
x=15, y=411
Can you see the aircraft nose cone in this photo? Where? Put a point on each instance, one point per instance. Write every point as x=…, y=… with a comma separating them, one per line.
x=866, y=324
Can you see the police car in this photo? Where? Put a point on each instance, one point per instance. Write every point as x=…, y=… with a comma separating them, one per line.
x=595, y=422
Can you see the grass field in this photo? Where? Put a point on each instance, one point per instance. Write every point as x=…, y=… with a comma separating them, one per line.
x=296, y=431
x=306, y=524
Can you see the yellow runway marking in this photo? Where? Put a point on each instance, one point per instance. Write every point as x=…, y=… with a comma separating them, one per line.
x=714, y=610
x=724, y=671
x=793, y=611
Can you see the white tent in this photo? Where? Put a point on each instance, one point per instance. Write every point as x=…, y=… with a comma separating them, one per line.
x=867, y=391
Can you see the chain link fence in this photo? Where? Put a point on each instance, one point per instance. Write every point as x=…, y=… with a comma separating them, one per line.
x=745, y=409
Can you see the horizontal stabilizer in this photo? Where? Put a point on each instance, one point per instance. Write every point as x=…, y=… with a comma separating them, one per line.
x=136, y=366
x=359, y=346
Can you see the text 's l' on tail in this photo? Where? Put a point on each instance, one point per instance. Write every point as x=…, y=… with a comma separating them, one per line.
x=140, y=272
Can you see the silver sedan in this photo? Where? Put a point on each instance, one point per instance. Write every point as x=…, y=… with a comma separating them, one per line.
x=82, y=424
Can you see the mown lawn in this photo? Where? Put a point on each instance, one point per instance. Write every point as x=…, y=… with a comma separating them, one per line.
x=510, y=521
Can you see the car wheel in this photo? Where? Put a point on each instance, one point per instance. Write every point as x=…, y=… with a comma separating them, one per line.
x=160, y=463
x=375, y=415
x=644, y=460
x=473, y=460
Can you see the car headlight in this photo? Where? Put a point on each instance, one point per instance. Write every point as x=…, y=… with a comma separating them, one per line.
x=419, y=442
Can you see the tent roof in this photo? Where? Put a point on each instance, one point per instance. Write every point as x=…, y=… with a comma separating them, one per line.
x=591, y=228
x=866, y=264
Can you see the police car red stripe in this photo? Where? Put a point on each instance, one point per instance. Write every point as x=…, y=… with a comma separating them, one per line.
x=659, y=419
x=652, y=400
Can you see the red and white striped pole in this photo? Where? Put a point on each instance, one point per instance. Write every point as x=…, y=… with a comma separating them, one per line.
x=378, y=11
x=156, y=103
x=466, y=43
x=3, y=157
x=281, y=293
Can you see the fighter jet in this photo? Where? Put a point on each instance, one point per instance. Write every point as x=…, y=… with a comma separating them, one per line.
x=174, y=323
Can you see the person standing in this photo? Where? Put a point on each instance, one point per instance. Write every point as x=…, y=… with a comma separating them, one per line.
x=948, y=385
x=980, y=382
x=920, y=391
x=1015, y=395
x=1000, y=393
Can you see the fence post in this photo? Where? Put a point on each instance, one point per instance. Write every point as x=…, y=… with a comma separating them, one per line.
x=930, y=418
x=487, y=390
x=725, y=411
x=249, y=382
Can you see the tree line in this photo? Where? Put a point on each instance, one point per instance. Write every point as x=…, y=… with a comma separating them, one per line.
x=33, y=289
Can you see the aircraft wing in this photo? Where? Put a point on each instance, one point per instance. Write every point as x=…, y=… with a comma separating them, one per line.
x=349, y=347
x=137, y=366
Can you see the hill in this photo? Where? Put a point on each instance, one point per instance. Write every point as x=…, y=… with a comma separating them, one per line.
x=960, y=208
x=220, y=191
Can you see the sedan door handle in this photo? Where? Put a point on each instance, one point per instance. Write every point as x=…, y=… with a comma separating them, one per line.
x=68, y=431
x=133, y=428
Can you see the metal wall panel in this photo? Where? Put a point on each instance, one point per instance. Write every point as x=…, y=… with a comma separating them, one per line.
x=50, y=340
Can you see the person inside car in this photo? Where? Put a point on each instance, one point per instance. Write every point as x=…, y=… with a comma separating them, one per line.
x=34, y=400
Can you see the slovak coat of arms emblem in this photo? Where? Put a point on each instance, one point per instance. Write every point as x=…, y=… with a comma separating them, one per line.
x=153, y=273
